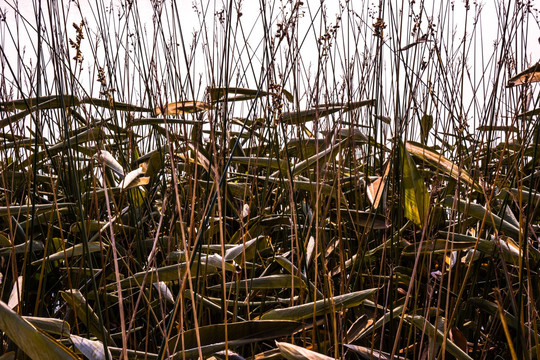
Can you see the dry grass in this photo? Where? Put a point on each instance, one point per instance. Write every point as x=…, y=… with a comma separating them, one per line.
x=300, y=180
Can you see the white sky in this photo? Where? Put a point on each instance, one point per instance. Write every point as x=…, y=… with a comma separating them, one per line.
x=132, y=64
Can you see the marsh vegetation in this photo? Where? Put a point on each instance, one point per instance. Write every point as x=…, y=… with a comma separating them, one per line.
x=278, y=179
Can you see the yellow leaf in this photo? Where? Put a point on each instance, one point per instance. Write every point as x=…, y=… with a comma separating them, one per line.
x=416, y=196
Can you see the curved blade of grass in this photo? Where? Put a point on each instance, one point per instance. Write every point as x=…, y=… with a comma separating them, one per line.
x=183, y=107
x=366, y=219
x=166, y=273
x=96, y=225
x=86, y=314
x=530, y=113
x=115, y=105
x=280, y=281
x=438, y=246
x=355, y=135
x=50, y=325
x=436, y=335
x=117, y=353
x=295, y=352
x=390, y=315
x=238, y=333
x=498, y=128
x=25, y=209
x=18, y=176
x=509, y=250
x=305, y=185
x=164, y=291
x=22, y=248
x=73, y=142
x=416, y=196
x=357, y=327
x=16, y=117
x=493, y=309
x=76, y=250
x=440, y=162
x=312, y=160
x=4, y=240
x=524, y=194
x=135, y=178
x=303, y=116
x=155, y=164
x=92, y=349
x=304, y=147
x=527, y=76
x=370, y=353
x=223, y=93
x=248, y=248
x=45, y=102
x=99, y=193
x=109, y=160
x=29, y=339
x=159, y=121
x=479, y=212
x=287, y=265
x=320, y=307
x=264, y=162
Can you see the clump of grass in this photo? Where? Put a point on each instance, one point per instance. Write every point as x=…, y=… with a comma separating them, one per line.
x=287, y=179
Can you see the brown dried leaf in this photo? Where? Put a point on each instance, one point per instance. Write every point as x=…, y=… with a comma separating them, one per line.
x=527, y=76
x=183, y=107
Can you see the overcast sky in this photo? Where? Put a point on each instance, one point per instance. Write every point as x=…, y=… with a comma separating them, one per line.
x=110, y=28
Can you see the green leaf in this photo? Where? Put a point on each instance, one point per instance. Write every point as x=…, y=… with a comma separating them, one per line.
x=416, y=196
x=320, y=307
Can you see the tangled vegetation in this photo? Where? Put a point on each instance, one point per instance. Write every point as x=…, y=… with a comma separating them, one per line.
x=286, y=182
